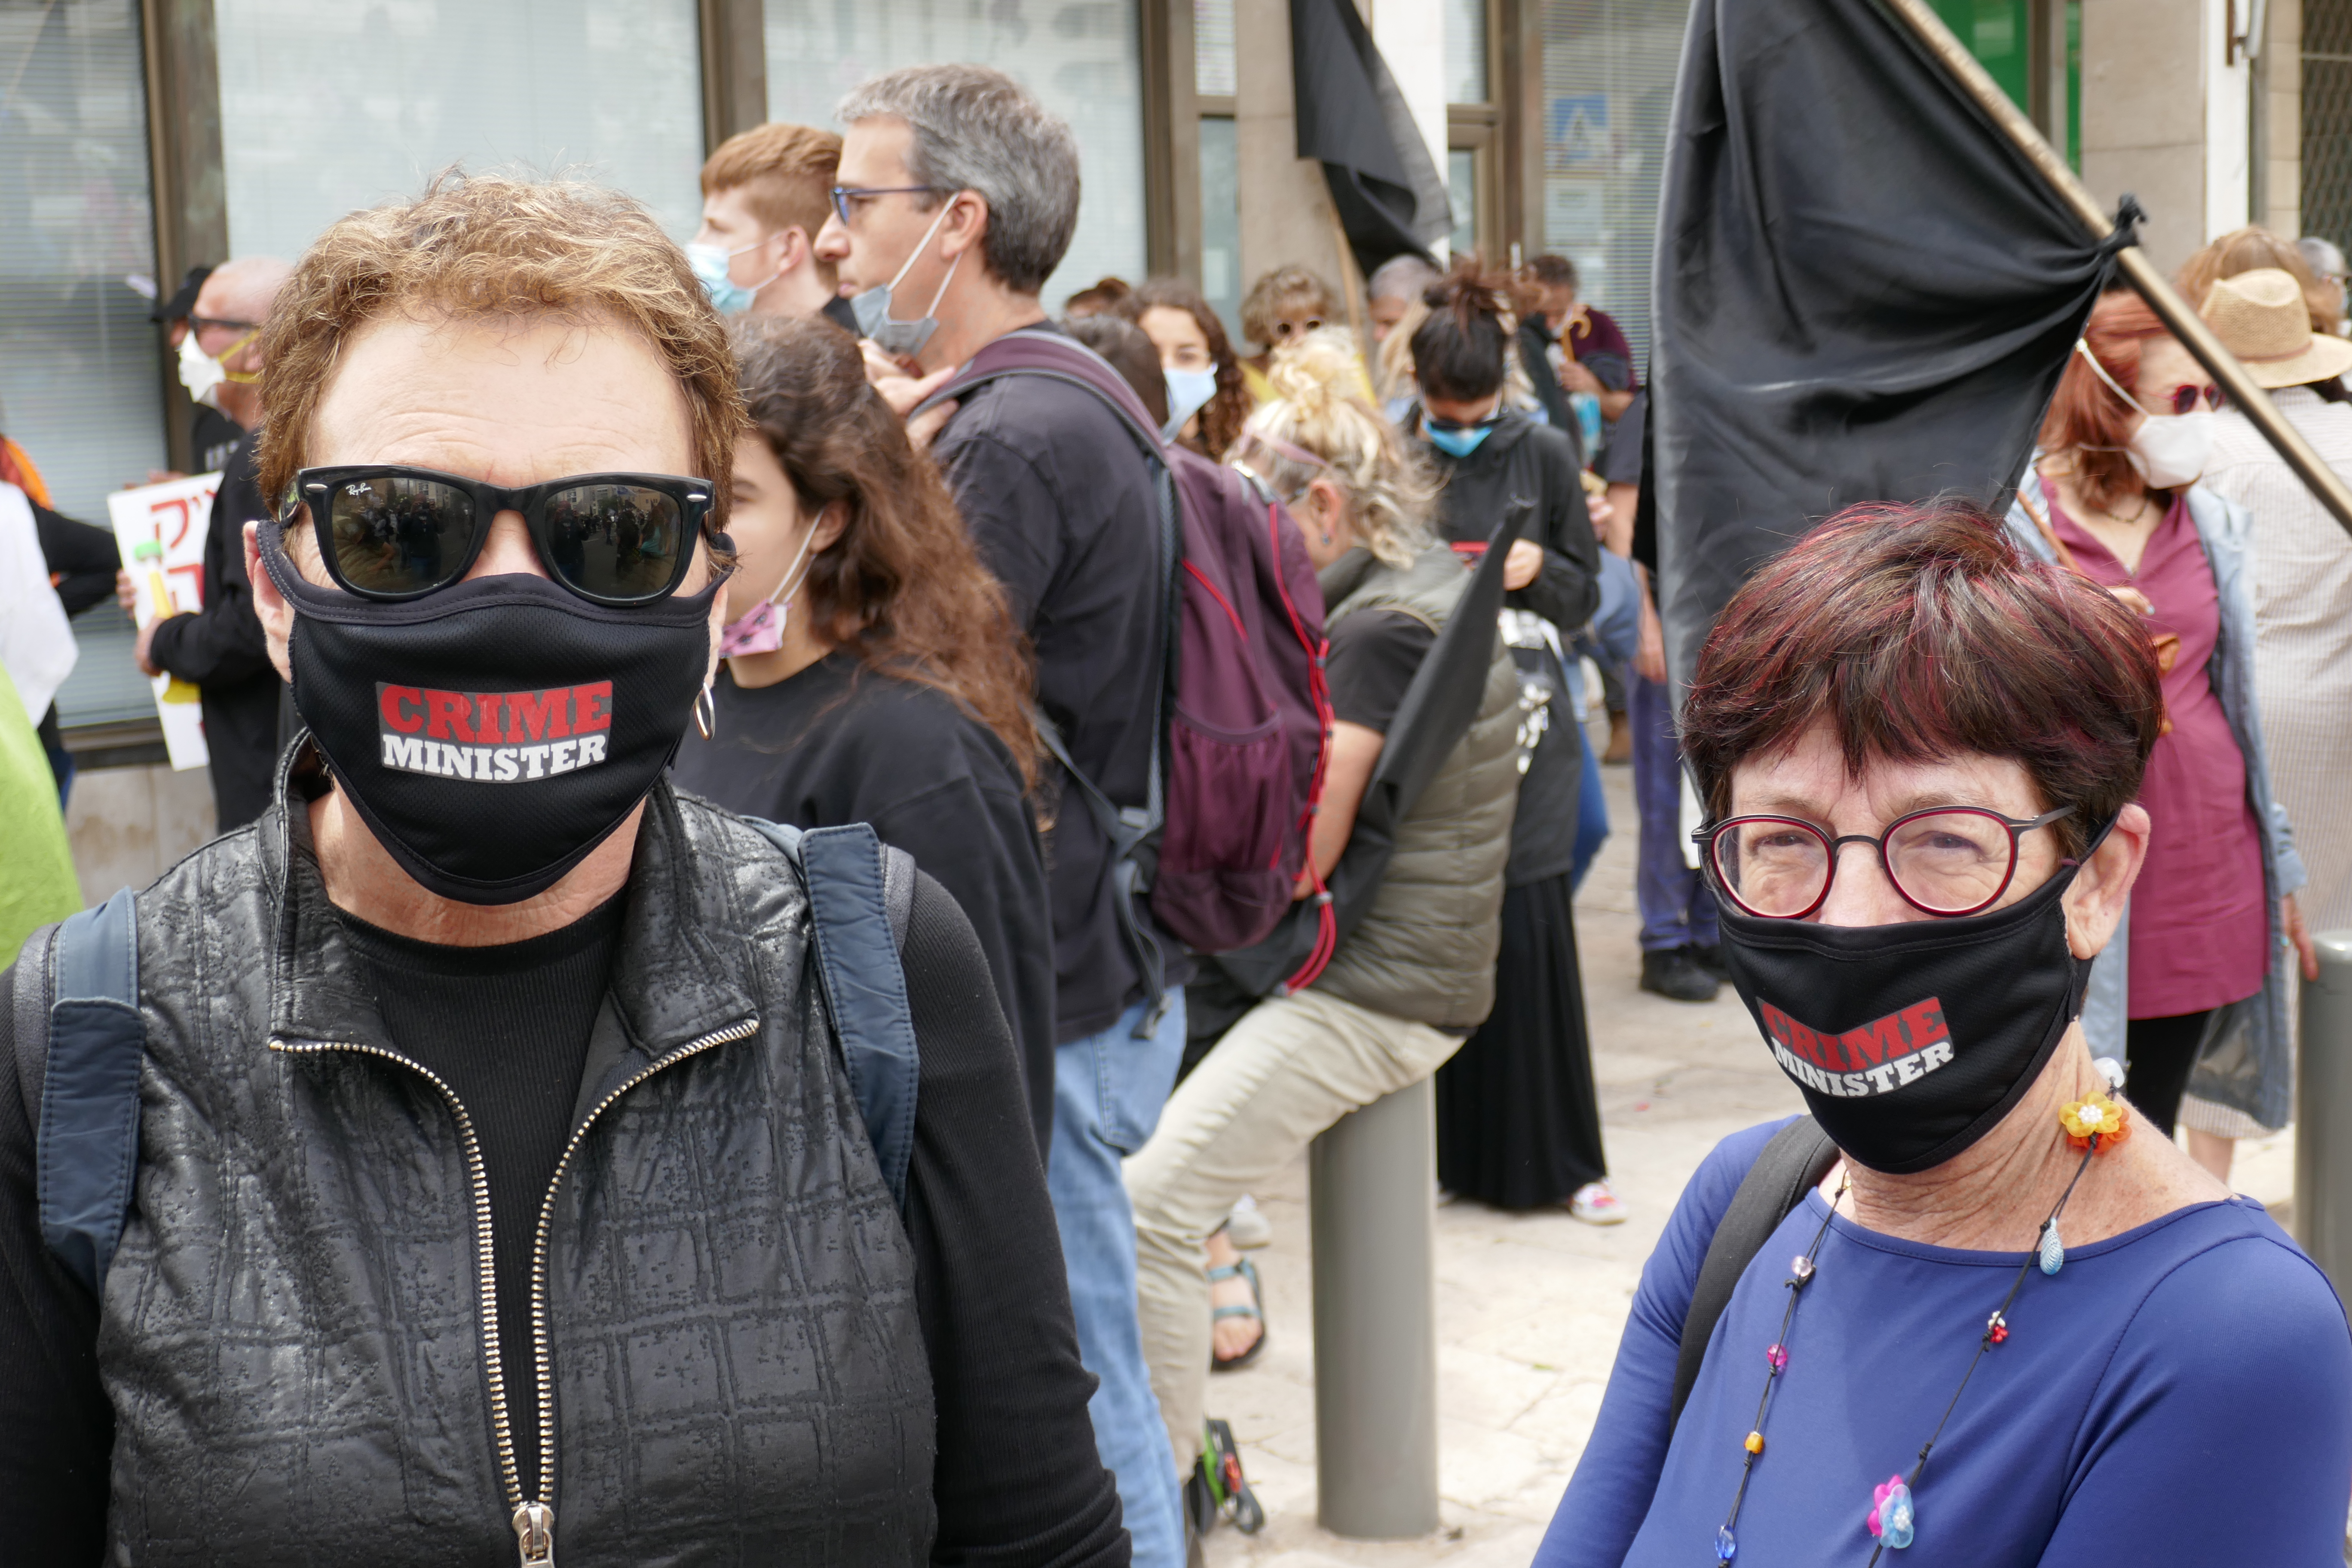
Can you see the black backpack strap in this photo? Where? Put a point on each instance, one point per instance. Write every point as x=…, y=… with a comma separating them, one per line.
x=1792, y=1165
x=87, y=1139
x=861, y=892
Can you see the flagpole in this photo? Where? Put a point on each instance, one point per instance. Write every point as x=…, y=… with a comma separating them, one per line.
x=2184, y=323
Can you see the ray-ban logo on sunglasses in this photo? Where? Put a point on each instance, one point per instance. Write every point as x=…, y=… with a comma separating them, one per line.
x=494, y=737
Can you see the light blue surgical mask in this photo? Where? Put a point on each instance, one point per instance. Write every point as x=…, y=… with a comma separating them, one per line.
x=728, y=297
x=1189, y=391
x=903, y=340
x=1458, y=441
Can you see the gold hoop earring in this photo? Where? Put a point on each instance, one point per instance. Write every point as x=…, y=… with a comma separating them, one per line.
x=706, y=712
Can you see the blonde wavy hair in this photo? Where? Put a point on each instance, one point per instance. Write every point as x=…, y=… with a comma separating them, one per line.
x=495, y=246
x=1318, y=409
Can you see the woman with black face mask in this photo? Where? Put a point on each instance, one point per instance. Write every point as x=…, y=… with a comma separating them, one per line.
x=468, y=1156
x=1971, y=1310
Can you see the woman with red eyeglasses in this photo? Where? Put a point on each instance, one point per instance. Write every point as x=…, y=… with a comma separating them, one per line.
x=2113, y=494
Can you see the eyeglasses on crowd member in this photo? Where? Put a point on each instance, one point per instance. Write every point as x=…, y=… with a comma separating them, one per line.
x=1283, y=307
x=871, y=671
x=2201, y=958
x=499, y=1182
x=1972, y=1308
x=1207, y=399
x=1417, y=972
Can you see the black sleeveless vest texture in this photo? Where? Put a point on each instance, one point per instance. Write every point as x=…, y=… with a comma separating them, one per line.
x=294, y=1330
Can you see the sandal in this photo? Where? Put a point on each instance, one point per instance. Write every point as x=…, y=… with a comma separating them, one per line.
x=1596, y=1202
x=1242, y=1269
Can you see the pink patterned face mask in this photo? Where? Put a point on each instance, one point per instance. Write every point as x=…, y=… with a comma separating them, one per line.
x=762, y=629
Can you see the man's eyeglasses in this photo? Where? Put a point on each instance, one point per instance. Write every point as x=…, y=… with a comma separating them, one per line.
x=202, y=323
x=2185, y=397
x=1944, y=859
x=842, y=196
x=390, y=531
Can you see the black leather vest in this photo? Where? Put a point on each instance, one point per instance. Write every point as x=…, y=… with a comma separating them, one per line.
x=297, y=1336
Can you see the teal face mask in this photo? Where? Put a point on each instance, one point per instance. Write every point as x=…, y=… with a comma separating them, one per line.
x=728, y=297
x=1458, y=441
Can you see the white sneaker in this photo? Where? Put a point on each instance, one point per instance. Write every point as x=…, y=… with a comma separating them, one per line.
x=1596, y=1203
x=1246, y=1226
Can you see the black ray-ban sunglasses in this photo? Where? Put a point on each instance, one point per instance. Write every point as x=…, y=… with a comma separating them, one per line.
x=390, y=531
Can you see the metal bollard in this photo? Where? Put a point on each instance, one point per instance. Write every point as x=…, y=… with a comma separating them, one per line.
x=2323, y=1112
x=1374, y=1178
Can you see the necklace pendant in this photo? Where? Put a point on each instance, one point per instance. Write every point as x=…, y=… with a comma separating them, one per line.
x=1727, y=1546
x=1800, y=1268
x=2054, y=1251
x=1777, y=1357
x=1890, y=1513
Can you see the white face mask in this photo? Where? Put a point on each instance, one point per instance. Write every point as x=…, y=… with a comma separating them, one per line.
x=1189, y=391
x=2168, y=450
x=200, y=373
x=904, y=338
x=2171, y=450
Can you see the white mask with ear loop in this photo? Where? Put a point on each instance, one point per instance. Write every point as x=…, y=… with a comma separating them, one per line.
x=2168, y=450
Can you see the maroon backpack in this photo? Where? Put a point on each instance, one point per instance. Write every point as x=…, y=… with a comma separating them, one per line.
x=1223, y=837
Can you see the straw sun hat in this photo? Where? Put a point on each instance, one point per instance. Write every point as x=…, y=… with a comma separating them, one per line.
x=2260, y=317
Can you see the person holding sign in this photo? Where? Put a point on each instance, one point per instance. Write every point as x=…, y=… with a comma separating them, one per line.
x=220, y=648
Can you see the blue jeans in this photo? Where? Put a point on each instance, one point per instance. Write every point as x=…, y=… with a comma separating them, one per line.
x=1677, y=908
x=1108, y=1091
x=1592, y=815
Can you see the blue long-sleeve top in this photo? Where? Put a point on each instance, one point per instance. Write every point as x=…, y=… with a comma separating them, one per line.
x=2180, y=1394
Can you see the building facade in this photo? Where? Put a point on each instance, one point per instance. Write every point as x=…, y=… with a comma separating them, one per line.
x=139, y=137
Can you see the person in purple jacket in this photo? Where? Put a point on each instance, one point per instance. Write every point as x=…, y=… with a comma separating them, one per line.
x=2010, y=1324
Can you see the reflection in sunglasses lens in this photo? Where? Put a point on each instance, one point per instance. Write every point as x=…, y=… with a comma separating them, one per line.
x=616, y=541
x=399, y=535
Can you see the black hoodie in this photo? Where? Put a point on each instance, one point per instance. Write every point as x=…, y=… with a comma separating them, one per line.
x=1520, y=459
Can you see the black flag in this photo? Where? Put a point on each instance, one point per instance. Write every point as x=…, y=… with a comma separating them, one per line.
x=1863, y=291
x=1391, y=198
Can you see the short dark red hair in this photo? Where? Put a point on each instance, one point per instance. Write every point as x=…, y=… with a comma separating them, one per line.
x=2085, y=420
x=1917, y=633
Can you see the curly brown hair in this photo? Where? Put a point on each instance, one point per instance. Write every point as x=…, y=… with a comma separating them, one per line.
x=902, y=588
x=1222, y=416
x=493, y=245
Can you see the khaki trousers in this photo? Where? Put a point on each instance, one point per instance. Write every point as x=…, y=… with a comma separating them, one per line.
x=1291, y=1068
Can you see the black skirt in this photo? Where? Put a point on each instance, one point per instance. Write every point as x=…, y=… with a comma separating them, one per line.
x=1519, y=1123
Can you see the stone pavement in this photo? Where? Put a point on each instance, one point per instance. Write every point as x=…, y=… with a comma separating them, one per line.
x=1530, y=1306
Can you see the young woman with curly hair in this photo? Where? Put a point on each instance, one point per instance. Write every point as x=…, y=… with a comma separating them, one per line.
x=872, y=672
x=1205, y=375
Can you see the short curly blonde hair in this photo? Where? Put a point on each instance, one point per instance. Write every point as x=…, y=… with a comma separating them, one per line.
x=1318, y=409
x=497, y=246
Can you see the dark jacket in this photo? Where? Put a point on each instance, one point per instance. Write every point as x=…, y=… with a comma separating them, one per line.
x=1525, y=460
x=221, y=650
x=1535, y=339
x=297, y=1342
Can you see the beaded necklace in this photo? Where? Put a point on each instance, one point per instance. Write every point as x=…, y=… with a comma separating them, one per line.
x=2091, y=1124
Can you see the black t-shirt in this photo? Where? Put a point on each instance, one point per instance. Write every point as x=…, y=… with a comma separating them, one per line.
x=1373, y=657
x=211, y=438
x=507, y=1028
x=838, y=744
x=1018, y=1480
x=1061, y=505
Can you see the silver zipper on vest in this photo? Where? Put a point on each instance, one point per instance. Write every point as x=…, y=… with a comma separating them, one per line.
x=533, y=1518
x=477, y=1177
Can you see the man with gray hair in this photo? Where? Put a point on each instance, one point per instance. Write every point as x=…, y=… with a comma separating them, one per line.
x=958, y=196
x=1393, y=288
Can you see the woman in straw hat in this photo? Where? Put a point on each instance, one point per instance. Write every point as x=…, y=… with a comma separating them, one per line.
x=2300, y=576
x=2114, y=495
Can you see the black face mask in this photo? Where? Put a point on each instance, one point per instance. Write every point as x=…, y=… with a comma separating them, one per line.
x=493, y=733
x=1911, y=1041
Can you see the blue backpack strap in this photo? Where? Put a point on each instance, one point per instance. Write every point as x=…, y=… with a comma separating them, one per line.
x=88, y=1148
x=861, y=893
